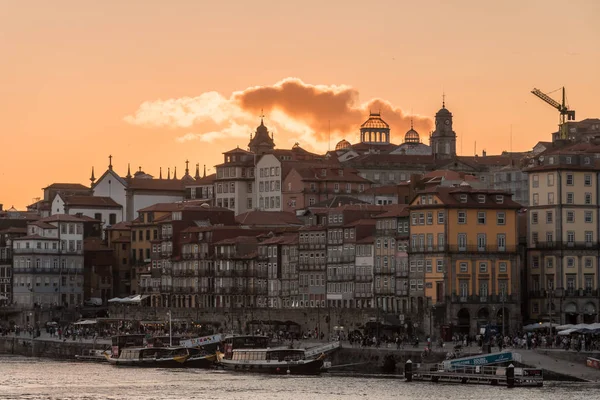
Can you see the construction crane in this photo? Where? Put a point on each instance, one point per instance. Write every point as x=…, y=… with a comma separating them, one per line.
x=563, y=109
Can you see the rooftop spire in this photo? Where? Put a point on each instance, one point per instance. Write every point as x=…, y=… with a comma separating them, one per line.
x=128, y=171
x=411, y=122
x=443, y=99
x=204, y=171
x=262, y=116
x=160, y=173
x=92, y=178
x=175, y=172
x=197, y=176
x=169, y=173
x=187, y=170
x=110, y=162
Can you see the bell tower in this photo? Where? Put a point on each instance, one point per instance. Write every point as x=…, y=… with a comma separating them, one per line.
x=443, y=139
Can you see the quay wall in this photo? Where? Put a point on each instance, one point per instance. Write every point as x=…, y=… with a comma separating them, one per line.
x=57, y=350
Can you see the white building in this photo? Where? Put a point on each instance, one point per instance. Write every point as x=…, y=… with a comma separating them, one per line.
x=103, y=209
x=268, y=181
x=48, y=263
x=234, y=184
x=140, y=190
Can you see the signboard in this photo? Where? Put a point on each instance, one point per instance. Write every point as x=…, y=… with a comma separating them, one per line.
x=494, y=358
x=202, y=341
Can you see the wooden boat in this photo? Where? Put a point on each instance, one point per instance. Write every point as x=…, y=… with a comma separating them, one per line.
x=593, y=362
x=155, y=357
x=282, y=361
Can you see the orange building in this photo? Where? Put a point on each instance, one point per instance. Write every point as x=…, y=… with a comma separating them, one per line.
x=464, y=240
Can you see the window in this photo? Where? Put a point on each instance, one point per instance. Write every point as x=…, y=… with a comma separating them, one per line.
x=500, y=218
x=570, y=262
x=588, y=198
x=535, y=181
x=440, y=217
x=570, y=216
x=569, y=179
x=534, y=218
x=502, y=267
x=462, y=217
x=550, y=179
x=440, y=266
x=249, y=203
x=429, y=218
x=462, y=241
x=481, y=217
x=112, y=218
x=587, y=180
x=589, y=236
x=499, y=199
x=481, y=198
x=481, y=241
x=570, y=236
x=550, y=262
x=536, y=199
x=483, y=267
x=534, y=237
x=463, y=267
x=535, y=261
x=549, y=217
x=549, y=237
x=588, y=262
x=570, y=198
x=588, y=217
x=501, y=242
x=428, y=266
x=463, y=198
x=551, y=198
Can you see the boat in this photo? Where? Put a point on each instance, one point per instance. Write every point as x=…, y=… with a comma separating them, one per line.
x=92, y=355
x=156, y=357
x=281, y=361
x=251, y=353
x=200, y=358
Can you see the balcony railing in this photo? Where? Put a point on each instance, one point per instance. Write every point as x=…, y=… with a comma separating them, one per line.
x=487, y=299
x=481, y=249
x=363, y=295
x=565, y=245
x=363, y=278
x=402, y=273
x=340, y=278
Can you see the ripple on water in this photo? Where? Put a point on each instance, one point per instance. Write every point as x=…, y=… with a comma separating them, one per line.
x=35, y=379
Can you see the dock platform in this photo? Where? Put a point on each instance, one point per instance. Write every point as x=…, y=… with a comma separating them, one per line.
x=484, y=375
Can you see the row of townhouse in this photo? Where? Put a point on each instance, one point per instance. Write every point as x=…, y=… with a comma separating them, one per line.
x=448, y=259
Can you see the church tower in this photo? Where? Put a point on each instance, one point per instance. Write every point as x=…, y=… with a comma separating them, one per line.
x=261, y=143
x=443, y=139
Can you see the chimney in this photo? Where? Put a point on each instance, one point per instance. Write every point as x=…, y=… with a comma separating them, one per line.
x=484, y=154
x=1, y=207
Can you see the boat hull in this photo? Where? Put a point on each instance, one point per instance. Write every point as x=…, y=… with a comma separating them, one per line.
x=308, y=367
x=201, y=362
x=175, y=362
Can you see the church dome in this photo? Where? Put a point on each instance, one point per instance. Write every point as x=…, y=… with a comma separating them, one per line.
x=443, y=111
x=412, y=136
x=375, y=122
x=342, y=144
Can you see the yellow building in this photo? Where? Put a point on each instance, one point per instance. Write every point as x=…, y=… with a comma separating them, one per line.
x=562, y=274
x=464, y=242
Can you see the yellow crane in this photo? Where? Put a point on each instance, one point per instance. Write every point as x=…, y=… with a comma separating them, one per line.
x=565, y=113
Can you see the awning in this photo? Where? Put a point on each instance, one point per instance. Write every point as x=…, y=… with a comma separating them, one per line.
x=86, y=322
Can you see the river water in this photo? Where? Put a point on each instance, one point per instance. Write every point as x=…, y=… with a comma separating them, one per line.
x=35, y=379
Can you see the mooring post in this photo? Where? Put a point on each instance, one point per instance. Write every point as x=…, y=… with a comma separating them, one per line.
x=510, y=376
x=408, y=372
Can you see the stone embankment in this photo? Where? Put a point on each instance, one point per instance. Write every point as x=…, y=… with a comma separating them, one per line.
x=46, y=347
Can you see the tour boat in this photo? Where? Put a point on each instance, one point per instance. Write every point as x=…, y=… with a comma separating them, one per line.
x=92, y=355
x=272, y=361
x=156, y=357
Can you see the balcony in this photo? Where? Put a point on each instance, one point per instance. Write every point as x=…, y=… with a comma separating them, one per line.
x=312, y=246
x=487, y=299
x=385, y=271
x=42, y=251
x=340, y=278
x=334, y=259
x=363, y=295
x=481, y=249
x=386, y=290
x=565, y=246
x=348, y=258
x=427, y=249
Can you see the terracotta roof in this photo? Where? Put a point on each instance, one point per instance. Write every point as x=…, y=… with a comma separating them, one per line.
x=237, y=239
x=451, y=196
x=65, y=218
x=361, y=222
x=386, y=160
x=449, y=175
x=266, y=218
x=44, y=225
x=367, y=240
x=238, y=150
x=283, y=239
x=13, y=229
x=169, y=185
x=313, y=228
x=91, y=201
x=40, y=205
x=37, y=237
x=313, y=173
x=394, y=210
x=166, y=207
x=67, y=186
x=489, y=161
x=207, y=180
x=121, y=226
x=122, y=239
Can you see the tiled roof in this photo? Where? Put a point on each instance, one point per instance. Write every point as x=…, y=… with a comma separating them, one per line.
x=387, y=189
x=385, y=160
x=91, y=201
x=361, y=222
x=43, y=225
x=207, y=180
x=367, y=240
x=122, y=239
x=451, y=196
x=266, y=218
x=64, y=218
x=67, y=186
x=121, y=226
x=94, y=244
x=314, y=174
x=156, y=184
x=13, y=229
x=337, y=201
x=37, y=237
x=283, y=239
x=394, y=210
x=237, y=239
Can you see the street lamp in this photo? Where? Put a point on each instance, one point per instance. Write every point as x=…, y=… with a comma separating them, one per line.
x=170, y=329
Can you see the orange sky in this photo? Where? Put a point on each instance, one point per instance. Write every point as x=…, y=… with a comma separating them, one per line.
x=155, y=82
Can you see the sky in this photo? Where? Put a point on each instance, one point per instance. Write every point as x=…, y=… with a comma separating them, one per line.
x=154, y=83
